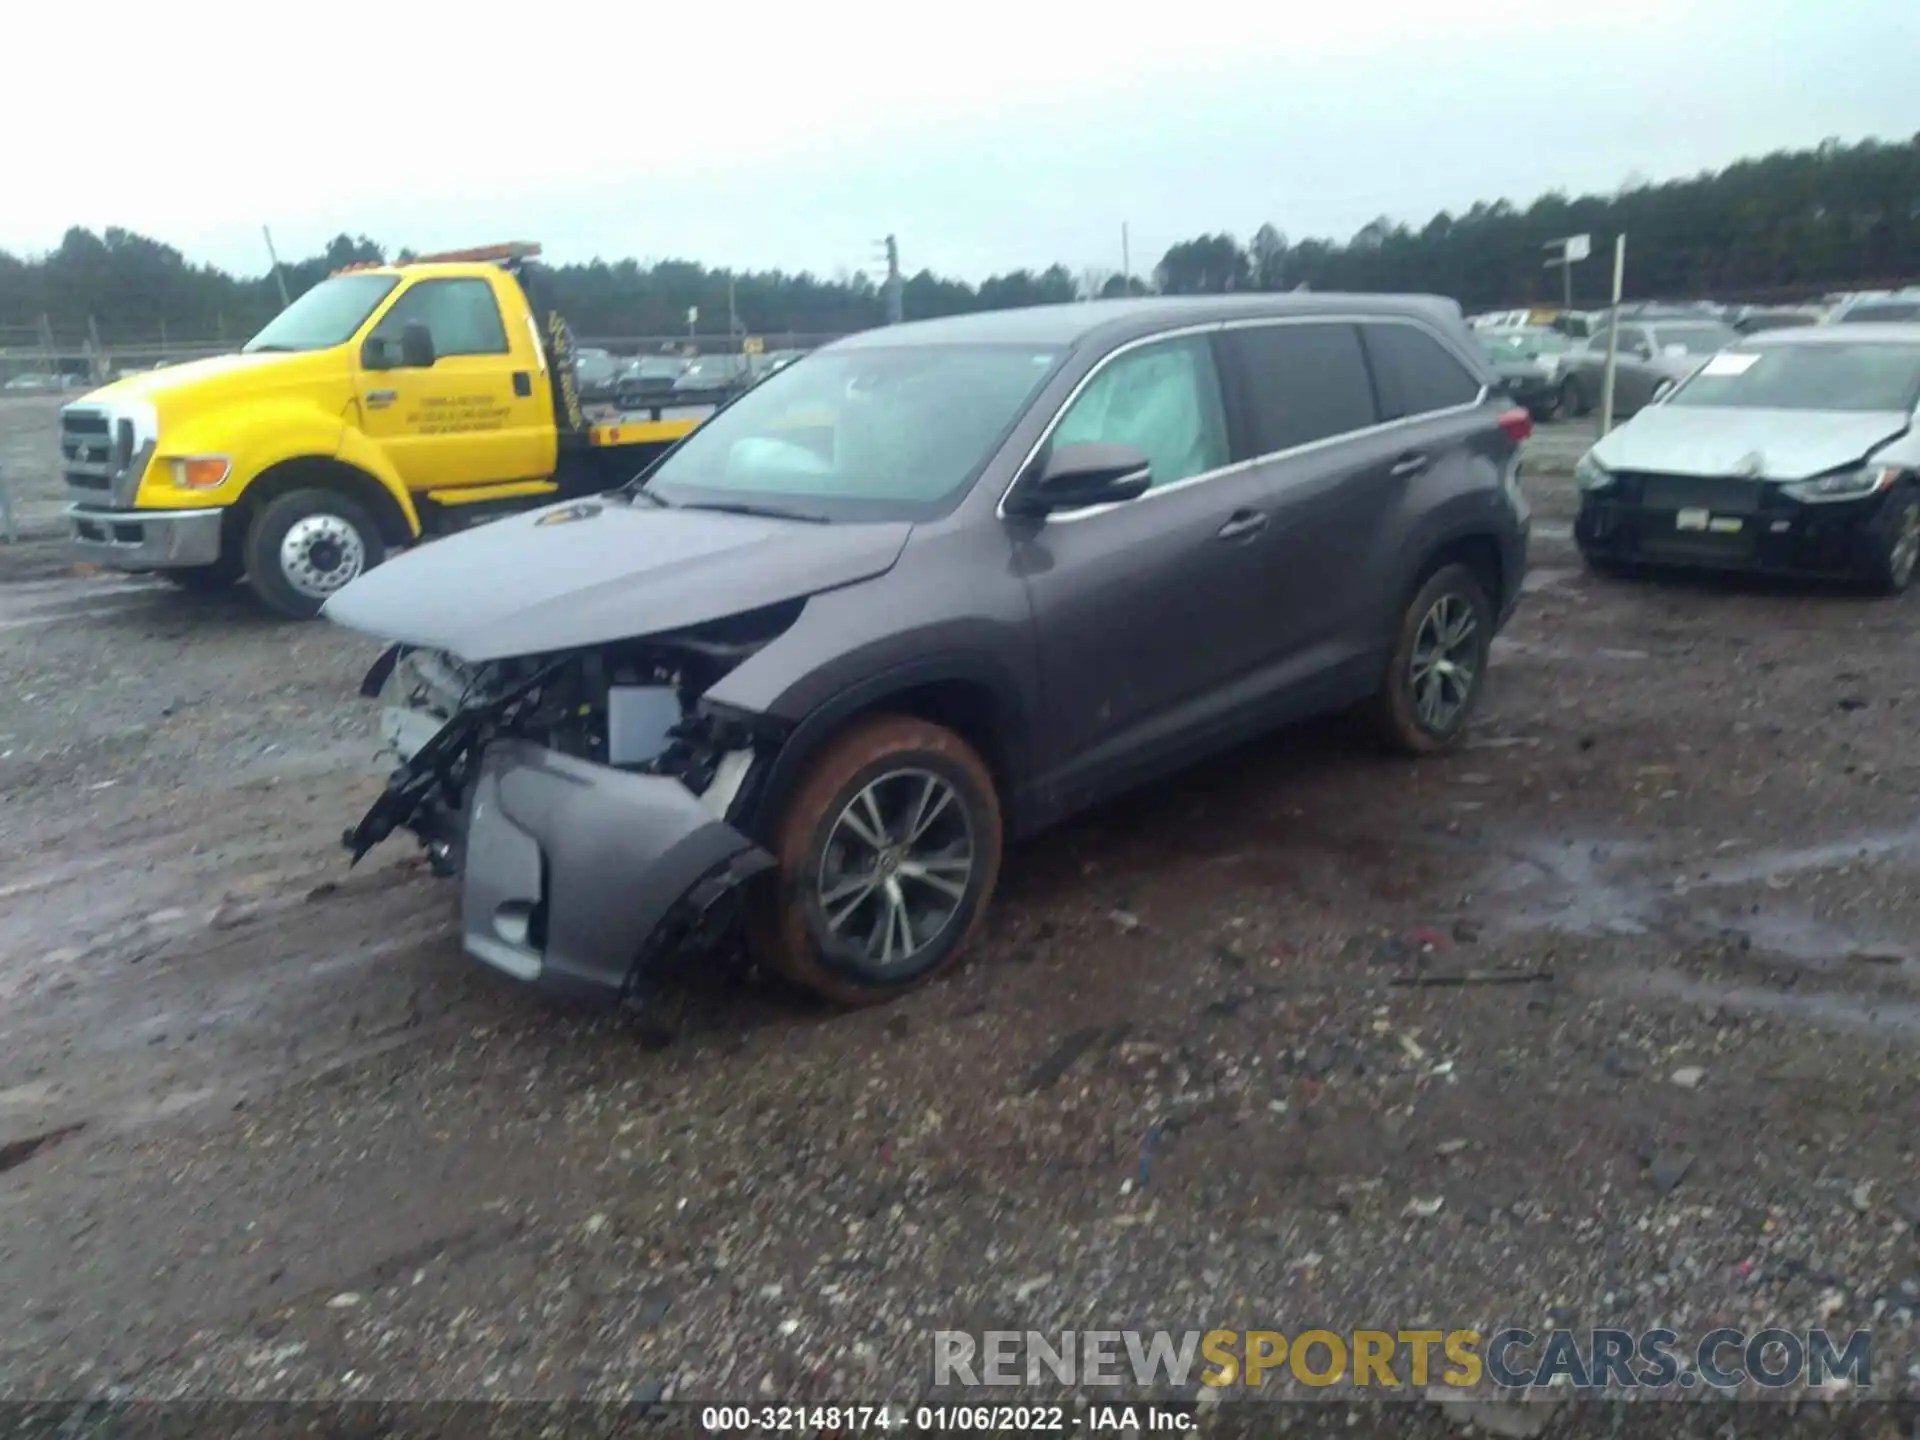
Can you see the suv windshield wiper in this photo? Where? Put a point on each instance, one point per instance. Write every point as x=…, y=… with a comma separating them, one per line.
x=741, y=507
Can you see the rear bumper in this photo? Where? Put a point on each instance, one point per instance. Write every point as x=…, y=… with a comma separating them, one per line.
x=145, y=539
x=577, y=878
x=1774, y=535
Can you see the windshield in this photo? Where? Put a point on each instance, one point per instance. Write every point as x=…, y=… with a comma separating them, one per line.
x=862, y=434
x=1876, y=314
x=1694, y=339
x=1808, y=377
x=327, y=315
x=1524, y=344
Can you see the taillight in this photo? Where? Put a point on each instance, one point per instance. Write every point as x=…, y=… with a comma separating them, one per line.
x=1517, y=423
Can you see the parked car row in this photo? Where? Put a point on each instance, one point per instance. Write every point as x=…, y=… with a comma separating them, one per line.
x=653, y=379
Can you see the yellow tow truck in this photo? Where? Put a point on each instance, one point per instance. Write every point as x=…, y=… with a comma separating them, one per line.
x=387, y=404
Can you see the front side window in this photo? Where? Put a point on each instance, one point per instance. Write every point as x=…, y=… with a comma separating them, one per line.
x=1163, y=400
x=461, y=315
x=327, y=315
x=1417, y=375
x=867, y=433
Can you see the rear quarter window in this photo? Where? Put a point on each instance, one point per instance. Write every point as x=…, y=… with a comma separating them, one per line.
x=1297, y=383
x=1416, y=373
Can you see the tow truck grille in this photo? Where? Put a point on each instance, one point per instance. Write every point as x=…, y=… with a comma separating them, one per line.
x=94, y=454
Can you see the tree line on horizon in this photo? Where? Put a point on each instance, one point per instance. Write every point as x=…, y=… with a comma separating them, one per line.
x=1782, y=226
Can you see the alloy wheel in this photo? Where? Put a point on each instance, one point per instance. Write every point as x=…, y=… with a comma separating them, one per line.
x=1445, y=662
x=896, y=868
x=1906, y=546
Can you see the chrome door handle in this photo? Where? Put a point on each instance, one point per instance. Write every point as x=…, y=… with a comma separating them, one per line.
x=1408, y=465
x=1242, y=524
x=380, y=399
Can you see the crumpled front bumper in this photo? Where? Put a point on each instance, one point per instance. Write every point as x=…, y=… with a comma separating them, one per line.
x=576, y=878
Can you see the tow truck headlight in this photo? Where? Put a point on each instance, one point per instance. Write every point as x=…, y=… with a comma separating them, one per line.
x=201, y=472
x=1590, y=474
x=1844, y=484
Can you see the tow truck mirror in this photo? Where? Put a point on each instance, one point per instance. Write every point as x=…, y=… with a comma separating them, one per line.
x=416, y=346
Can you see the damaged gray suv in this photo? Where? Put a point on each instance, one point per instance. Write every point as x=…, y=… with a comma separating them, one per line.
x=930, y=589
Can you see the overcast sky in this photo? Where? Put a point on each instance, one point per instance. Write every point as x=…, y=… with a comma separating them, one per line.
x=987, y=136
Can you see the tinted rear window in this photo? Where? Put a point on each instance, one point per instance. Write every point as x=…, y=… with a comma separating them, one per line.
x=1299, y=383
x=1416, y=373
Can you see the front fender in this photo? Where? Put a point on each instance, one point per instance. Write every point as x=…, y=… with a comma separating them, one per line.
x=361, y=453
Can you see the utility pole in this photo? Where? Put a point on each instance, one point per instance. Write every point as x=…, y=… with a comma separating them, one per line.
x=896, y=288
x=278, y=278
x=1613, y=333
x=1126, y=262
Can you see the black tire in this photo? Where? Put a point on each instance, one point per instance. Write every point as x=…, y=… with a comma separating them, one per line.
x=1573, y=403
x=1450, y=599
x=331, y=557
x=214, y=579
x=1894, y=543
x=890, y=758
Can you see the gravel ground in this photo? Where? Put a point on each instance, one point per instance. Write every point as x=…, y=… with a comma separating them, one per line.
x=265, y=1132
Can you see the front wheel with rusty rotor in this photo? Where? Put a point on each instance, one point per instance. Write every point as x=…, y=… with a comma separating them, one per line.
x=888, y=852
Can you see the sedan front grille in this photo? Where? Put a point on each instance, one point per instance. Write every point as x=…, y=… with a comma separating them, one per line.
x=1721, y=494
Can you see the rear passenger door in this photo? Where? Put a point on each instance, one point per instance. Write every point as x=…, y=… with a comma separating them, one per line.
x=1307, y=419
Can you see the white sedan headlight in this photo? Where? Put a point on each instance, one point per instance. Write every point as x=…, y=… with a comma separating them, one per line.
x=1844, y=484
x=1590, y=474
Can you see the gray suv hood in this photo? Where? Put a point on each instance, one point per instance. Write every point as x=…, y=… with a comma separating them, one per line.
x=1772, y=444
x=591, y=571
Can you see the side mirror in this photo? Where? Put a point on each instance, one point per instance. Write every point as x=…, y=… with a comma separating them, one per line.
x=416, y=346
x=1075, y=477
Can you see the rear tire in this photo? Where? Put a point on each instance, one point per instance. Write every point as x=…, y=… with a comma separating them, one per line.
x=1439, y=665
x=1895, y=542
x=858, y=923
x=306, y=545
x=1573, y=404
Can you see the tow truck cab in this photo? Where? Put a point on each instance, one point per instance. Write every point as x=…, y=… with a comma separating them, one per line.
x=385, y=405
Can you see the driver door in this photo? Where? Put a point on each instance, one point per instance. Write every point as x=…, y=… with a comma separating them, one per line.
x=476, y=416
x=1146, y=611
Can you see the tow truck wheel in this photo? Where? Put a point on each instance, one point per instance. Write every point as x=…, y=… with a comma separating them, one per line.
x=305, y=545
x=888, y=853
x=1895, y=541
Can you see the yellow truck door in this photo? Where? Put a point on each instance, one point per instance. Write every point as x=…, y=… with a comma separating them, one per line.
x=481, y=413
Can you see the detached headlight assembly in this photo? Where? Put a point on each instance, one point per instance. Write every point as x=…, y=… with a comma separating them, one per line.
x=1590, y=474
x=1844, y=484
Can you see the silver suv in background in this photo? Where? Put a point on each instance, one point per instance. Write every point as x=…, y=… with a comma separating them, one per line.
x=931, y=588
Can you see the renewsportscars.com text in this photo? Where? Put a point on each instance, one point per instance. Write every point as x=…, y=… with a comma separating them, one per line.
x=1510, y=1359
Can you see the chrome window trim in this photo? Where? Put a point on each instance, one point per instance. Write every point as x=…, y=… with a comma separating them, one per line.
x=1239, y=466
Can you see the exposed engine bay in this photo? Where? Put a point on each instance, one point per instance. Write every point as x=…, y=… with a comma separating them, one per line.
x=633, y=706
